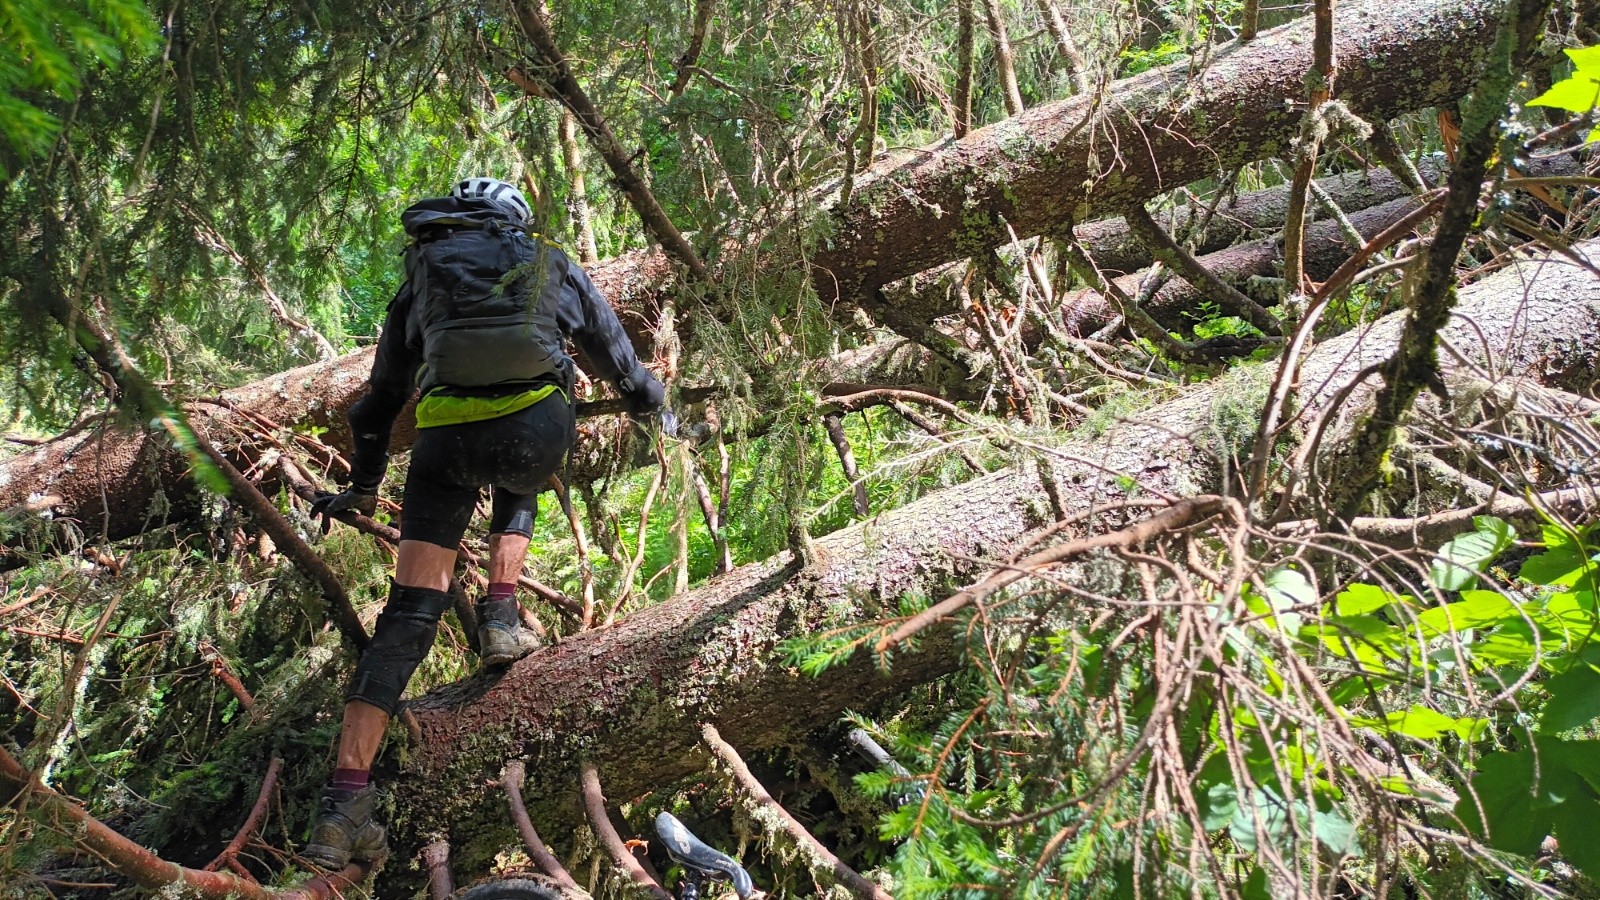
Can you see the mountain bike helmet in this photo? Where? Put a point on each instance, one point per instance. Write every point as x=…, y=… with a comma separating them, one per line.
x=500, y=193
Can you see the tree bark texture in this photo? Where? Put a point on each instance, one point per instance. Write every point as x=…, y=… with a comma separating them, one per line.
x=1164, y=128
x=632, y=697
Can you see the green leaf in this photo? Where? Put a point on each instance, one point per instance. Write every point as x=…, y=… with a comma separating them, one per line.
x=1574, y=824
x=1219, y=805
x=1574, y=699
x=1501, y=788
x=1585, y=58
x=1464, y=556
x=1256, y=887
x=1581, y=91
x=1564, y=563
x=1526, y=795
x=1576, y=94
x=1359, y=600
x=1475, y=609
x=1287, y=589
x=1335, y=832
x=1425, y=724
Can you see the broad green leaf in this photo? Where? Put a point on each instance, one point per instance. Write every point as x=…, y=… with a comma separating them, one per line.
x=1585, y=58
x=1576, y=94
x=1522, y=801
x=1574, y=824
x=1287, y=589
x=1501, y=789
x=1359, y=600
x=1464, y=556
x=1425, y=724
x=1219, y=804
x=1579, y=92
x=1256, y=887
x=1564, y=562
x=1475, y=609
x=1579, y=758
x=1335, y=832
x=1562, y=566
x=1574, y=699
x=1509, y=645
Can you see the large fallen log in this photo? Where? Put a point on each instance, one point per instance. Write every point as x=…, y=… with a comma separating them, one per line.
x=1168, y=127
x=1054, y=164
x=631, y=697
x=1117, y=252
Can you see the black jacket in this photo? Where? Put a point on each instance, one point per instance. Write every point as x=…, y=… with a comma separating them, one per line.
x=582, y=314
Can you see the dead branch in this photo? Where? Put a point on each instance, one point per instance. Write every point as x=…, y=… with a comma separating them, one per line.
x=834, y=424
x=1434, y=529
x=1181, y=514
x=963, y=92
x=688, y=63
x=594, y=802
x=580, y=540
x=1004, y=64
x=1164, y=248
x=845, y=876
x=553, y=70
x=1077, y=67
x=1414, y=364
x=306, y=559
x=516, y=772
x=144, y=868
x=252, y=821
x=224, y=673
x=1313, y=130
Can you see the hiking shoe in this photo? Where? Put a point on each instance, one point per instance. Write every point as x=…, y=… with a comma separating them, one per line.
x=501, y=637
x=346, y=830
x=500, y=644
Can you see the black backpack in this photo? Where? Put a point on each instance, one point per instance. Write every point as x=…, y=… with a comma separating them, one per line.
x=478, y=302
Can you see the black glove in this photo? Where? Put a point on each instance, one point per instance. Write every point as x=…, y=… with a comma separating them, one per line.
x=356, y=499
x=642, y=393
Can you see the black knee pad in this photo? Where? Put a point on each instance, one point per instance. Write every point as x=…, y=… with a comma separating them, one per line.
x=403, y=636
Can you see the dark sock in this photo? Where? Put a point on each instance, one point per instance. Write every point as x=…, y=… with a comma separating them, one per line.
x=502, y=590
x=350, y=779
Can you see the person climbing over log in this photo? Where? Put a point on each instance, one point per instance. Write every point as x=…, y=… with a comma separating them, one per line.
x=479, y=324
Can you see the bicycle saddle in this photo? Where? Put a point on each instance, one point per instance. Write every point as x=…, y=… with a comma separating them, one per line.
x=695, y=855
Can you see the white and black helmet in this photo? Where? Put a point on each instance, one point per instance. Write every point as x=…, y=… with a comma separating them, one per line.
x=495, y=191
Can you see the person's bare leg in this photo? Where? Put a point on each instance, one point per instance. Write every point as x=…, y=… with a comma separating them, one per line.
x=345, y=826
x=361, y=734
x=507, y=552
x=425, y=565
x=500, y=635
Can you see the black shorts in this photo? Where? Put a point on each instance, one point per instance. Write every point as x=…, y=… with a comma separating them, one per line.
x=451, y=464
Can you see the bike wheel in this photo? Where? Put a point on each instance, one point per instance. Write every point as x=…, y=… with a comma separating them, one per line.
x=509, y=889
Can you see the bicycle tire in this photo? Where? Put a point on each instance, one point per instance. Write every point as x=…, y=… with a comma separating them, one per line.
x=510, y=889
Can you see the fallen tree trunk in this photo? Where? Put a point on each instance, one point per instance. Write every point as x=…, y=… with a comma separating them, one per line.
x=1030, y=173
x=1066, y=161
x=631, y=697
x=1117, y=252
x=1325, y=249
